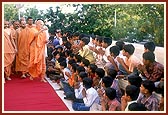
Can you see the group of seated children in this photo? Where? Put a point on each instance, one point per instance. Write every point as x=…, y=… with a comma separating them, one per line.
x=87, y=71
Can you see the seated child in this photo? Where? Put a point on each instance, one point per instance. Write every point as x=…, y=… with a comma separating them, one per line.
x=110, y=102
x=148, y=98
x=90, y=96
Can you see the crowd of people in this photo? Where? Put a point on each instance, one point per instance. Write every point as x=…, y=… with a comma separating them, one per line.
x=86, y=67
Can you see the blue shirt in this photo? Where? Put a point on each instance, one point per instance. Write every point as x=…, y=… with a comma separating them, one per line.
x=56, y=42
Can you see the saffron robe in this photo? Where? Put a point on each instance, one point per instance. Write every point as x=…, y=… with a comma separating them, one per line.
x=22, y=57
x=37, y=65
x=9, y=51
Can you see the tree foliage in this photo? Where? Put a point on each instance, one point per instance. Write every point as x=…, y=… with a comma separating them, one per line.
x=56, y=17
x=134, y=22
x=34, y=13
x=10, y=12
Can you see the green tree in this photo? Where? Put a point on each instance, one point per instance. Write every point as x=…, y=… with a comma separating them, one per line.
x=10, y=12
x=134, y=22
x=34, y=13
x=56, y=17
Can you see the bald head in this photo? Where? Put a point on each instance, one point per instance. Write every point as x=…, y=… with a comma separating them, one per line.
x=39, y=24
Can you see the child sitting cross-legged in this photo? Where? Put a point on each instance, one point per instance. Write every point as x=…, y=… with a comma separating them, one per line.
x=90, y=96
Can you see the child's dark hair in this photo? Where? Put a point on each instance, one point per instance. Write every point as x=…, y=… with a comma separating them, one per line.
x=76, y=34
x=120, y=44
x=74, y=66
x=68, y=45
x=93, y=36
x=115, y=50
x=59, y=47
x=132, y=91
x=82, y=35
x=134, y=80
x=64, y=38
x=100, y=72
x=107, y=40
x=99, y=38
x=137, y=107
x=87, y=82
x=63, y=63
x=93, y=67
x=85, y=62
x=112, y=72
x=107, y=80
x=86, y=40
x=83, y=75
x=71, y=55
x=71, y=61
x=110, y=93
x=80, y=69
x=129, y=48
x=61, y=59
x=67, y=52
x=149, y=56
x=55, y=53
x=150, y=46
x=78, y=57
x=149, y=85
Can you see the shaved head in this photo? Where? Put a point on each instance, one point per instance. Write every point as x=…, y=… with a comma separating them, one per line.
x=39, y=24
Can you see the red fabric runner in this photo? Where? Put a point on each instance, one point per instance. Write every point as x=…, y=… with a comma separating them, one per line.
x=26, y=95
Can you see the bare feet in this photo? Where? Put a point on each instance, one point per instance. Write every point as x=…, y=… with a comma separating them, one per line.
x=27, y=75
x=23, y=76
x=31, y=78
x=43, y=80
x=8, y=78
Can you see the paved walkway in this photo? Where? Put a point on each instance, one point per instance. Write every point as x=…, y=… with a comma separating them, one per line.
x=60, y=93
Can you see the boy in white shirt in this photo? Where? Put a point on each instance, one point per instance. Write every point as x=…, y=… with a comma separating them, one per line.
x=90, y=96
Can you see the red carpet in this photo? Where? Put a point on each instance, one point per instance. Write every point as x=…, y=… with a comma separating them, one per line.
x=26, y=95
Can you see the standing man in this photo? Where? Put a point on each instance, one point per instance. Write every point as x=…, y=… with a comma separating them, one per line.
x=13, y=35
x=37, y=65
x=16, y=25
x=9, y=50
x=22, y=57
x=30, y=22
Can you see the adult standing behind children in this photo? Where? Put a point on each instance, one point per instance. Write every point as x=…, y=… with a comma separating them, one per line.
x=22, y=57
x=37, y=66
